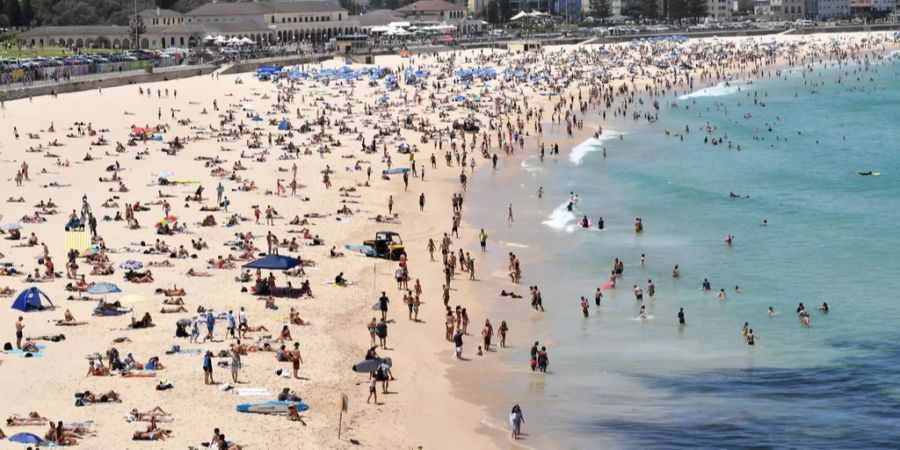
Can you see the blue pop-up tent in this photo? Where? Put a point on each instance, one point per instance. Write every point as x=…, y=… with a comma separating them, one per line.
x=30, y=300
x=284, y=125
x=273, y=262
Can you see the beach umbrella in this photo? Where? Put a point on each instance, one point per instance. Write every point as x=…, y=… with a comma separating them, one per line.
x=168, y=220
x=131, y=265
x=26, y=438
x=103, y=288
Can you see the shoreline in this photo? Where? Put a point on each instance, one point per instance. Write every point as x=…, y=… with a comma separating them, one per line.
x=468, y=377
x=434, y=400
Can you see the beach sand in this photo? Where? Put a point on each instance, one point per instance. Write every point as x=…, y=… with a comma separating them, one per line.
x=424, y=409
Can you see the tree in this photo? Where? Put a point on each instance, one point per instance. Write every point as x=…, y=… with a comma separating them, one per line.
x=27, y=13
x=137, y=29
x=677, y=9
x=493, y=12
x=601, y=9
x=166, y=4
x=649, y=8
x=505, y=11
x=695, y=8
x=13, y=11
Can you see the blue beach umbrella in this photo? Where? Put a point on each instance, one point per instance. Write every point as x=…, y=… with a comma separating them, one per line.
x=26, y=438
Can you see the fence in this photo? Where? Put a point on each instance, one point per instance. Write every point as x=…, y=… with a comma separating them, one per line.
x=56, y=73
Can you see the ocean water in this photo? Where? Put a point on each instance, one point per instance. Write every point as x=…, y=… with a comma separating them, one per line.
x=618, y=381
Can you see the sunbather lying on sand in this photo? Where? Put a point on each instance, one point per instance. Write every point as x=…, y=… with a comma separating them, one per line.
x=107, y=397
x=33, y=418
x=174, y=292
x=156, y=413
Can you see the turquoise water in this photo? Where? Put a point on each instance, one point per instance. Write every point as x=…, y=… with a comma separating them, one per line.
x=621, y=382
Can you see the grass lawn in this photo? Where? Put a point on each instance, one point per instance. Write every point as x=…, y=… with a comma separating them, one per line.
x=15, y=52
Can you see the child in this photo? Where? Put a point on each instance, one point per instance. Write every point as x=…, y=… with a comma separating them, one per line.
x=372, y=390
x=479, y=351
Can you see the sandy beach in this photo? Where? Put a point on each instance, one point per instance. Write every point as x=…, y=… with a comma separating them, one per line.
x=69, y=144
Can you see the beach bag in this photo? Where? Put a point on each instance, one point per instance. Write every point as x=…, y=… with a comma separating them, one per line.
x=7, y=347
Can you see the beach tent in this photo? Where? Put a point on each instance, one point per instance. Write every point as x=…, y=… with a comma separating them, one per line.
x=284, y=125
x=30, y=300
x=273, y=262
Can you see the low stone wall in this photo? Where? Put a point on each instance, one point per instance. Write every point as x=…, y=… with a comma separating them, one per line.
x=12, y=92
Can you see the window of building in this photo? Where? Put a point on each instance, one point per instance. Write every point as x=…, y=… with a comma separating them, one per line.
x=273, y=19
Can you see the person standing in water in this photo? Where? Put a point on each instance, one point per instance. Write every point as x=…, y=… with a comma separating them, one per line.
x=681, y=317
x=598, y=296
x=584, y=306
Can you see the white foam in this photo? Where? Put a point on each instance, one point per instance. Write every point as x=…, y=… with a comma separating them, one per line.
x=718, y=90
x=576, y=156
x=526, y=164
x=512, y=244
x=561, y=219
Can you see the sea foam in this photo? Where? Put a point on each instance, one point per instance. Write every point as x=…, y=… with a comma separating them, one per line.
x=576, y=156
x=714, y=91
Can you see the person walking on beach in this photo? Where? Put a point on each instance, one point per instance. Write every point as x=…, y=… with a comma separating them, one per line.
x=296, y=359
x=509, y=217
x=235, y=362
x=422, y=202
x=383, y=305
x=20, y=325
x=516, y=419
x=502, y=333
x=382, y=331
x=482, y=238
x=487, y=332
x=373, y=388
x=543, y=360
x=207, y=368
x=458, y=343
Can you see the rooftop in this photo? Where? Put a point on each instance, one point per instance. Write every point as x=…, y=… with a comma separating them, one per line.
x=430, y=5
x=261, y=8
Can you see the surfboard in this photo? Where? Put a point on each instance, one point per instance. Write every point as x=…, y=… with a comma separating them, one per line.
x=395, y=171
x=364, y=249
x=607, y=285
x=371, y=365
x=272, y=407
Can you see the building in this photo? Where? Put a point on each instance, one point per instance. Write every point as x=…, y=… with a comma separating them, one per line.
x=266, y=23
x=439, y=12
x=721, y=10
x=831, y=9
x=874, y=8
x=569, y=10
x=787, y=9
x=433, y=11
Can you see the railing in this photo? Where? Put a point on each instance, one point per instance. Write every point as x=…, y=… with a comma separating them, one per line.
x=55, y=74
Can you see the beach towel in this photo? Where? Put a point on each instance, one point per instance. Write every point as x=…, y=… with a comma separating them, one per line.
x=23, y=354
x=78, y=240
